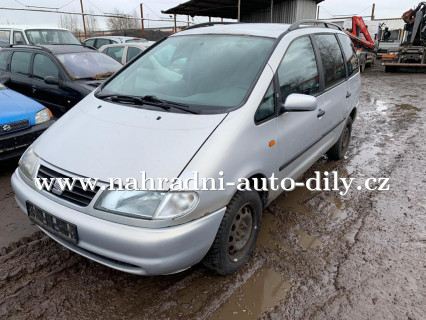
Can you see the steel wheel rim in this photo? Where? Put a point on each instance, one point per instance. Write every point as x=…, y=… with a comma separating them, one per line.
x=242, y=230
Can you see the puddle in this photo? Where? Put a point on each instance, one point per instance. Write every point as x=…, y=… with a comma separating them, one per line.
x=294, y=201
x=307, y=241
x=261, y=292
x=406, y=107
x=337, y=211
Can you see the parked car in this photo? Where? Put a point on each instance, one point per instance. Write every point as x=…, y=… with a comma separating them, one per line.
x=57, y=76
x=22, y=120
x=97, y=42
x=123, y=52
x=226, y=101
x=35, y=35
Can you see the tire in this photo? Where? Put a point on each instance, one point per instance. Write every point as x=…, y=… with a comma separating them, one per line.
x=230, y=251
x=362, y=67
x=339, y=149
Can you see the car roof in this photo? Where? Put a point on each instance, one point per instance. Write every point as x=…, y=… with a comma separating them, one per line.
x=115, y=38
x=142, y=45
x=270, y=30
x=29, y=27
x=54, y=49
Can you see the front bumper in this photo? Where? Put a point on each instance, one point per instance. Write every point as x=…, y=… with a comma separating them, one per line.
x=14, y=144
x=131, y=249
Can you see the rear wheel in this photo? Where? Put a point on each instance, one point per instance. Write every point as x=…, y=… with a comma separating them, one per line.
x=237, y=234
x=339, y=149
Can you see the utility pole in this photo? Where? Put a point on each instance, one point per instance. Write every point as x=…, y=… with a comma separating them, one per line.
x=372, y=11
x=142, y=22
x=188, y=21
x=84, y=22
x=318, y=13
x=272, y=11
x=175, y=23
x=239, y=10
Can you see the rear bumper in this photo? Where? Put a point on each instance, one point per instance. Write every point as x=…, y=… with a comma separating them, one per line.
x=14, y=144
x=131, y=249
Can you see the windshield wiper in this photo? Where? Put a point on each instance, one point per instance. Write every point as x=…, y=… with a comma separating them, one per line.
x=130, y=99
x=160, y=102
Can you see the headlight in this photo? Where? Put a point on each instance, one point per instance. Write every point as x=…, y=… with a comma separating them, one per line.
x=43, y=116
x=147, y=204
x=28, y=162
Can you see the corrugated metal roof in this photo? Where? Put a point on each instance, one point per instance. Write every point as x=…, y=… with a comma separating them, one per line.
x=221, y=8
x=392, y=23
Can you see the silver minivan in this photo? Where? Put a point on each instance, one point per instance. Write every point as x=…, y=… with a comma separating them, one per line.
x=227, y=102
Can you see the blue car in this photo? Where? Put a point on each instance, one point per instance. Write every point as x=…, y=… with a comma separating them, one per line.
x=22, y=120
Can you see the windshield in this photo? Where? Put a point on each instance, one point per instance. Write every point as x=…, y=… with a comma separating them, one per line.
x=49, y=36
x=209, y=71
x=88, y=65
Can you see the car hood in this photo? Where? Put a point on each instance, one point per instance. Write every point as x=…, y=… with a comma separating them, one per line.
x=15, y=106
x=98, y=139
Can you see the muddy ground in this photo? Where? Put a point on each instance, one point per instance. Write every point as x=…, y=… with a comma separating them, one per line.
x=319, y=255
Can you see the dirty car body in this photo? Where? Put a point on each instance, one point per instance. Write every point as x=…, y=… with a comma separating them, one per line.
x=232, y=101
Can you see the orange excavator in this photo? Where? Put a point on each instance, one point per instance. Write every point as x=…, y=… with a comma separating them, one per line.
x=365, y=45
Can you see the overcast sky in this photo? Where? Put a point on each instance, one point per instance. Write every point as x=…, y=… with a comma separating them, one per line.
x=152, y=9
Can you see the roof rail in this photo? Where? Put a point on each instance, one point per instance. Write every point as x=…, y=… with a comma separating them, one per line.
x=298, y=24
x=29, y=46
x=208, y=24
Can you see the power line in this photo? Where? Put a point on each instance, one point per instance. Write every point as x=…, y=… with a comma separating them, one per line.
x=95, y=6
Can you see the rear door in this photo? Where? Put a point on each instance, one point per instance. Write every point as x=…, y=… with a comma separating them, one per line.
x=352, y=67
x=20, y=72
x=332, y=102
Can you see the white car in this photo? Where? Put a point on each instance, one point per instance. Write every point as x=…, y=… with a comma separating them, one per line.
x=239, y=102
x=35, y=35
x=97, y=42
x=124, y=52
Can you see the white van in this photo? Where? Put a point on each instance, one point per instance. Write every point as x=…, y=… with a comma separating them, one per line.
x=14, y=34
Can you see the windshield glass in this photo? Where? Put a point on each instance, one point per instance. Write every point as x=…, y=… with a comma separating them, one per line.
x=48, y=36
x=88, y=65
x=209, y=71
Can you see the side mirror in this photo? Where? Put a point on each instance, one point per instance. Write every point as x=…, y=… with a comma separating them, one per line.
x=51, y=80
x=4, y=80
x=299, y=102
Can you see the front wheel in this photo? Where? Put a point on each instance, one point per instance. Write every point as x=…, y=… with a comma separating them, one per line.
x=237, y=234
x=339, y=149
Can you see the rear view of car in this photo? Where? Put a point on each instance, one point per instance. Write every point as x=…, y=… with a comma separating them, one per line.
x=22, y=120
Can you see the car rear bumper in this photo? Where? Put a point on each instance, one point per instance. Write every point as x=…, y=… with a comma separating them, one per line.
x=131, y=249
x=14, y=144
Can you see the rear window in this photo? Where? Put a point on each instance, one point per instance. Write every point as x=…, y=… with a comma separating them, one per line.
x=20, y=62
x=132, y=52
x=332, y=60
x=115, y=52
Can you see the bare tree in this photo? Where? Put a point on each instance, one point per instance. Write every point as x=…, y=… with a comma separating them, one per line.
x=69, y=22
x=124, y=22
x=91, y=24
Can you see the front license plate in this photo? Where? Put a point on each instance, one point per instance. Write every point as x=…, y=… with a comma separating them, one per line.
x=55, y=225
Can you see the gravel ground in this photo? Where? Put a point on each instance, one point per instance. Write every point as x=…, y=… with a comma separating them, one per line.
x=319, y=255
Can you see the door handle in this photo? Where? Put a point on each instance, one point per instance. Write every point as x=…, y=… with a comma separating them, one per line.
x=348, y=94
x=320, y=113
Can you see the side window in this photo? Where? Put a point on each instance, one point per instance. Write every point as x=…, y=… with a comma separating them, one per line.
x=101, y=42
x=331, y=57
x=20, y=62
x=4, y=37
x=4, y=55
x=350, y=54
x=44, y=67
x=132, y=52
x=115, y=52
x=298, y=72
x=267, y=107
x=18, y=37
x=90, y=42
